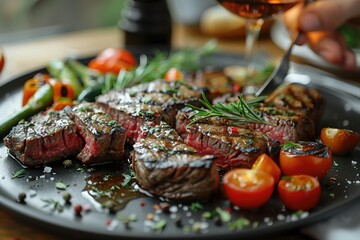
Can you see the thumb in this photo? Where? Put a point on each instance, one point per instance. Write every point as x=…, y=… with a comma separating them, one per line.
x=328, y=14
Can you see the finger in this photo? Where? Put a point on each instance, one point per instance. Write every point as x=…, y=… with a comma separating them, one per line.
x=328, y=14
x=331, y=47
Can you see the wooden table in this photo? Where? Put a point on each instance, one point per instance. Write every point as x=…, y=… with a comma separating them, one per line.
x=25, y=56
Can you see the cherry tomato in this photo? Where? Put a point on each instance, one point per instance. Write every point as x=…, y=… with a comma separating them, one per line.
x=113, y=60
x=340, y=141
x=299, y=192
x=248, y=188
x=173, y=74
x=266, y=164
x=309, y=158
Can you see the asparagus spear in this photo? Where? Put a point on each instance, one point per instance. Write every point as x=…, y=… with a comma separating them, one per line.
x=38, y=102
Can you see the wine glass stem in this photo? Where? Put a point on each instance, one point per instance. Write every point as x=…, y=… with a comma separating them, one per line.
x=253, y=27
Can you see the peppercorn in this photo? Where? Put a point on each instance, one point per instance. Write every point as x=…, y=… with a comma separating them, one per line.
x=67, y=163
x=21, y=197
x=78, y=209
x=67, y=197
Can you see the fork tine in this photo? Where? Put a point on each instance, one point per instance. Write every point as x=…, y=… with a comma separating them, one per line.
x=278, y=75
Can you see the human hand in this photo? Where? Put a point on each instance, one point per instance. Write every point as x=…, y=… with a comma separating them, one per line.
x=319, y=22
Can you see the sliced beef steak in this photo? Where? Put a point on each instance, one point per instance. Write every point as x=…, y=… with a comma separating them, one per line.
x=47, y=137
x=104, y=137
x=233, y=146
x=165, y=166
x=298, y=98
x=155, y=101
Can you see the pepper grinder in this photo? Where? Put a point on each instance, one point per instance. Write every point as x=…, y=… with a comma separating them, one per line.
x=146, y=24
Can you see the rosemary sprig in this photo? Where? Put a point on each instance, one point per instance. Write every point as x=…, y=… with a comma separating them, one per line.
x=155, y=68
x=240, y=112
x=18, y=174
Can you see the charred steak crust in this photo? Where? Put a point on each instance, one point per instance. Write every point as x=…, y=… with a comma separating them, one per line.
x=234, y=146
x=155, y=101
x=302, y=100
x=47, y=137
x=165, y=166
x=104, y=137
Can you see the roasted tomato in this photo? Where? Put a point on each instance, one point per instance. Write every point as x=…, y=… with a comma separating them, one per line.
x=299, y=192
x=309, y=158
x=113, y=60
x=248, y=188
x=340, y=141
x=266, y=164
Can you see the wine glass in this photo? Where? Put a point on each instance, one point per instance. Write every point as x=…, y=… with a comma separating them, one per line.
x=2, y=59
x=255, y=11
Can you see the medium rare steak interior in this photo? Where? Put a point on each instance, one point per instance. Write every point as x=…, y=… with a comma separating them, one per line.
x=104, y=137
x=165, y=166
x=85, y=131
x=47, y=137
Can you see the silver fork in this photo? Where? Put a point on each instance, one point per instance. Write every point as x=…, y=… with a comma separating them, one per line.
x=278, y=75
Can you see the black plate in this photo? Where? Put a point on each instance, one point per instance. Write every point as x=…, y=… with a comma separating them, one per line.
x=343, y=110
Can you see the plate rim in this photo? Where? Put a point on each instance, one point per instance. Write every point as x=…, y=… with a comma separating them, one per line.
x=27, y=212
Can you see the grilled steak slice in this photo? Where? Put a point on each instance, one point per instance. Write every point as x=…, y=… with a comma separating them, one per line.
x=232, y=145
x=285, y=124
x=104, y=137
x=47, y=137
x=153, y=101
x=167, y=167
x=302, y=100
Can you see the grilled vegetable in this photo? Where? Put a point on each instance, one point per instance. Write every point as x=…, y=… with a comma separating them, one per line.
x=113, y=60
x=309, y=158
x=59, y=70
x=32, y=85
x=39, y=101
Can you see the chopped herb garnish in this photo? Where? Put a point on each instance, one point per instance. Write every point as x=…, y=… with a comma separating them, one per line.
x=18, y=174
x=127, y=179
x=127, y=218
x=239, y=224
x=80, y=170
x=195, y=206
x=159, y=225
x=289, y=144
x=54, y=204
x=209, y=215
x=224, y=215
x=240, y=112
x=60, y=185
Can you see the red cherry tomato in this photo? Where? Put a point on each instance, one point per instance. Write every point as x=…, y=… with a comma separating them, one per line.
x=340, y=141
x=266, y=164
x=248, y=188
x=299, y=192
x=113, y=60
x=309, y=158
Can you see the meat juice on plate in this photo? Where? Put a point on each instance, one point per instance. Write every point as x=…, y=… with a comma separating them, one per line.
x=256, y=9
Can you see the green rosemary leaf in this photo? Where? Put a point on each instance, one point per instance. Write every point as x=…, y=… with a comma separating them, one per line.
x=18, y=174
x=241, y=112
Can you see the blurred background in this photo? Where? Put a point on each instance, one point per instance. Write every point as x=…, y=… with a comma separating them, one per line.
x=28, y=19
